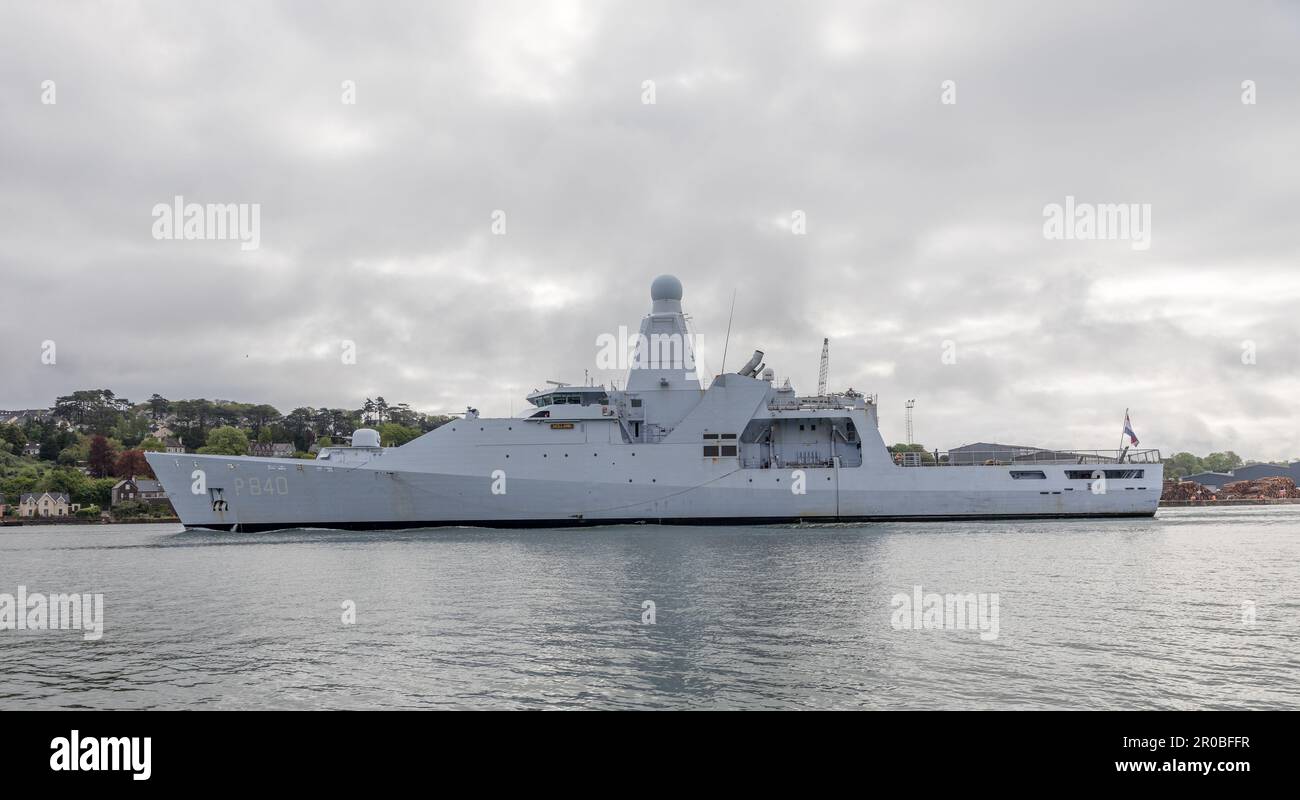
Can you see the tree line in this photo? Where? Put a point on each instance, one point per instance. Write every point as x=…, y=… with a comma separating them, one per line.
x=1180, y=465
x=71, y=433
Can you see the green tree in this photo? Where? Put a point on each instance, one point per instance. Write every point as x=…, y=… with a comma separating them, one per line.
x=927, y=457
x=16, y=485
x=393, y=435
x=430, y=422
x=1183, y=464
x=402, y=414
x=131, y=429
x=193, y=418
x=71, y=481
x=94, y=410
x=323, y=422
x=159, y=406
x=54, y=441
x=226, y=441
x=99, y=491
x=1222, y=462
x=343, y=422
x=14, y=436
x=151, y=444
x=260, y=416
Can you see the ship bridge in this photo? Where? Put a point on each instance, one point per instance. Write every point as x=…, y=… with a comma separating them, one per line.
x=563, y=394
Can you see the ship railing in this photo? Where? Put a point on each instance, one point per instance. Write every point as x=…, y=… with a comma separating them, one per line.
x=763, y=463
x=811, y=404
x=1026, y=456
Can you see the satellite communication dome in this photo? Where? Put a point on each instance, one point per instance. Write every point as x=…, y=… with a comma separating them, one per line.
x=666, y=287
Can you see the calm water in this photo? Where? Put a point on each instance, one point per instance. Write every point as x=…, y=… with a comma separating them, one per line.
x=1093, y=614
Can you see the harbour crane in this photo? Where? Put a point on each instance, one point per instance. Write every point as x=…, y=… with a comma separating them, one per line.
x=825, y=368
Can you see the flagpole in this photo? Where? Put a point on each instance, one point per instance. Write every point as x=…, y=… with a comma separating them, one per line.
x=1122, y=448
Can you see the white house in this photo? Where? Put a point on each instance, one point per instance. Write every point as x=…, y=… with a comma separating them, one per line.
x=46, y=504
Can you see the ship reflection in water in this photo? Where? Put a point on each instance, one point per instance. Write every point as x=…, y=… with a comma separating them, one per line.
x=1192, y=609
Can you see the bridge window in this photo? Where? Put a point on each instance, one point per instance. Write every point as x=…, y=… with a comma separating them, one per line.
x=1114, y=474
x=1028, y=474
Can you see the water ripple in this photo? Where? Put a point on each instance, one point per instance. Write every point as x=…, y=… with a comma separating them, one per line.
x=1093, y=614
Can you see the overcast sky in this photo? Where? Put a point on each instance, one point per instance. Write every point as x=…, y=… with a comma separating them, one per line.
x=924, y=220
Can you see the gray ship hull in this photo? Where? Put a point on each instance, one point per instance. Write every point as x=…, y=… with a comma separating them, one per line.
x=267, y=494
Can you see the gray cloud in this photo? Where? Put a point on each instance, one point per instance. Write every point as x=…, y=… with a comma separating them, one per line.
x=924, y=220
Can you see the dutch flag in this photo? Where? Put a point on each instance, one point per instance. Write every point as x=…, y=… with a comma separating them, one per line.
x=1128, y=431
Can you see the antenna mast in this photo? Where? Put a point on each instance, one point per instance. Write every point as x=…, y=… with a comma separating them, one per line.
x=727, y=341
x=910, y=405
x=825, y=368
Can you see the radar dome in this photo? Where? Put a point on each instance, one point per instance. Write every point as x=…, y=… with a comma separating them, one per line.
x=666, y=287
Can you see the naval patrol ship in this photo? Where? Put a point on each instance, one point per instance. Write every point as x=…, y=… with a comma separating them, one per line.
x=665, y=449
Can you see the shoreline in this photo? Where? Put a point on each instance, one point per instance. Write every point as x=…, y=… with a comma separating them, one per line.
x=38, y=521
